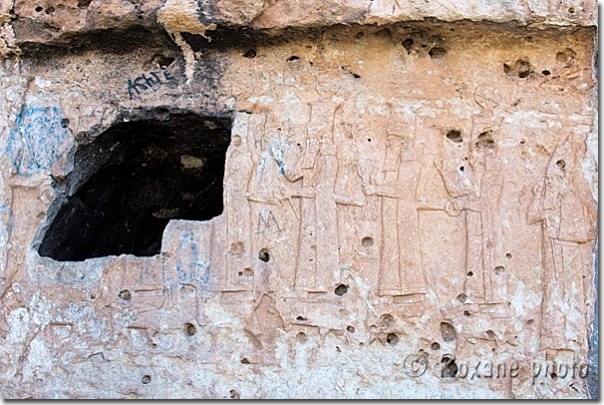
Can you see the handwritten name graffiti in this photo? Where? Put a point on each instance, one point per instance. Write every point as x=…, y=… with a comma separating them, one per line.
x=147, y=82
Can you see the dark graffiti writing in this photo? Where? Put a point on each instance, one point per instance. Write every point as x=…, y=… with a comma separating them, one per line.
x=267, y=223
x=144, y=82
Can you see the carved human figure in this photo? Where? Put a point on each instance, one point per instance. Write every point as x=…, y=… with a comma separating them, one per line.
x=239, y=245
x=568, y=215
x=348, y=182
x=317, y=268
x=262, y=327
x=261, y=185
x=264, y=144
x=266, y=206
x=476, y=190
x=191, y=271
x=401, y=269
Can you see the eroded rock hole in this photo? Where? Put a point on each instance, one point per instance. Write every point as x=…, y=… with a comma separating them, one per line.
x=408, y=44
x=447, y=331
x=250, y=54
x=523, y=74
x=264, y=255
x=485, y=141
x=455, y=136
x=190, y=329
x=301, y=337
x=84, y=3
x=234, y=394
x=350, y=329
x=435, y=346
x=162, y=61
x=132, y=180
x=386, y=321
x=125, y=295
x=449, y=367
x=146, y=379
x=341, y=290
x=51, y=27
x=561, y=57
x=293, y=58
x=392, y=339
x=437, y=52
x=385, y=33
x=521, y=68
x=237, y=248
x=367, y=242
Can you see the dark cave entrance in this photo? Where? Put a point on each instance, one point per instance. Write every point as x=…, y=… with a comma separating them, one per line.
x=133, y=179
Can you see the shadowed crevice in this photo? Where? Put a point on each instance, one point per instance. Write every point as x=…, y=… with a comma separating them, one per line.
x=134, y=178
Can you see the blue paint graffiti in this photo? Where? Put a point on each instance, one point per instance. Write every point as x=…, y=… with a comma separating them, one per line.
x=276, y=147
x=3, y=225
x=4, y=233
x=190, y=265
x=39, y=140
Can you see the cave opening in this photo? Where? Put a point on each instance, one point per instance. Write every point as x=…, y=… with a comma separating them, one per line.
x=135, y=177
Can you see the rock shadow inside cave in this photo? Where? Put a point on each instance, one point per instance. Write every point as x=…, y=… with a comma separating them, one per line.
x=133, y=179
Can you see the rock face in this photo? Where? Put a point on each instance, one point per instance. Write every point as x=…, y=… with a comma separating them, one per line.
x=287, y=199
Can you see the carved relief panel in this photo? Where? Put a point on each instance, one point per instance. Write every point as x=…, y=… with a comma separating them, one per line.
x=401, y=201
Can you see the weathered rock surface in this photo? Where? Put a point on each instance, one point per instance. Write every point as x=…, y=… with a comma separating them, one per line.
x=287, y=199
